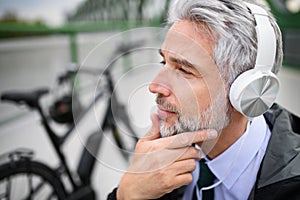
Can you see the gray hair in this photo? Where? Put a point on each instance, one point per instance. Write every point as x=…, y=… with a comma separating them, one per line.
x=232, y=26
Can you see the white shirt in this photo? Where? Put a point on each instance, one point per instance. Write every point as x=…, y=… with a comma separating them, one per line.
x=237, y=167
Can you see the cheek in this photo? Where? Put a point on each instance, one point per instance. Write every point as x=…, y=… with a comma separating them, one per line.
x=193, y=96
x=203, y=96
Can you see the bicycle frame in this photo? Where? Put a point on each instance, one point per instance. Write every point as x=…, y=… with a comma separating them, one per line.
x=87, y=160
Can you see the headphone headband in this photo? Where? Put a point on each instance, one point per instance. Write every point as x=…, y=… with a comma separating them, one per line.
x=254, y=91
x=266, y=39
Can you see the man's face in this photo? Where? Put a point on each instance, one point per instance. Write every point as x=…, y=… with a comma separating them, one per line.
x=190, y=92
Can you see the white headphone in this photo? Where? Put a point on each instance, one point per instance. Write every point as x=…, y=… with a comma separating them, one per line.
x=254, y=91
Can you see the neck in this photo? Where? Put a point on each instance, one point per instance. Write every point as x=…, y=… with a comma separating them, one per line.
x=227, y=136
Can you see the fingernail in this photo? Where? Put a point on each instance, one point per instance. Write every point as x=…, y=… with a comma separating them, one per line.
x=212, y=134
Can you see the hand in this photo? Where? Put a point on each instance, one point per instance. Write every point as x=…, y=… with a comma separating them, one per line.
x=160, y=165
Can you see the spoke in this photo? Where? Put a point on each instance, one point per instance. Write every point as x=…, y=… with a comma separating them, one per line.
x=30, y=185
x=51, y=196
x=36, y=189
x=5, y=194
x=8, y=188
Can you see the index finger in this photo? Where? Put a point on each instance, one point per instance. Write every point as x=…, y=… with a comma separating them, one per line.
x=153, y=133
x=187, y=138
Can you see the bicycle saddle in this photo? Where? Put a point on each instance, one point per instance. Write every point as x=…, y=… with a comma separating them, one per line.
x=30, y=98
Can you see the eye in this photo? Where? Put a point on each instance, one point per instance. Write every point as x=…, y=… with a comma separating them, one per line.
x=181, y=69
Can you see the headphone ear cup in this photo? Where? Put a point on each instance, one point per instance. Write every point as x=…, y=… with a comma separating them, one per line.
x=254, y=92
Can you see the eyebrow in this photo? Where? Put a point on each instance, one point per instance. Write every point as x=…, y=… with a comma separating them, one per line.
x=178, y=61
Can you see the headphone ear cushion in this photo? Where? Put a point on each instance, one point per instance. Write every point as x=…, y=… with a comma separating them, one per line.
x=254, y=92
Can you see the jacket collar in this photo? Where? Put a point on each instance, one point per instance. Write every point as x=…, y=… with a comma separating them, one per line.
x=282, y=158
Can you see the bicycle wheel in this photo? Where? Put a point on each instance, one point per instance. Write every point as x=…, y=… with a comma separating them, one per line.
x=26, y=179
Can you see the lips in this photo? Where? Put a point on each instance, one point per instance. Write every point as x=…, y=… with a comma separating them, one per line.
x=162, y=112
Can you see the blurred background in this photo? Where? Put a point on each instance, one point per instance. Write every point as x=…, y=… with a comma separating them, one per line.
x=40, y=39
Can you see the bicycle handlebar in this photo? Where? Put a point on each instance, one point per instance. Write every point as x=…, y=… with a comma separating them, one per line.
x=30, y=98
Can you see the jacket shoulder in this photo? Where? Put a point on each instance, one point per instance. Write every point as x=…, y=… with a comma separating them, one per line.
x=288, y=188
x=282, y=158
x=278, y=114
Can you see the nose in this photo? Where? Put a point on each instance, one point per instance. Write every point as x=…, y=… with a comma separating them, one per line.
x=159, y=84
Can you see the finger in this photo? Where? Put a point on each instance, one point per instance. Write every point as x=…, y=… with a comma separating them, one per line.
x=154, y=132
x=179, y=174
x=183, y=179
x=155, y=123
x=190, y=153
x=183, y=166
x=188, y=138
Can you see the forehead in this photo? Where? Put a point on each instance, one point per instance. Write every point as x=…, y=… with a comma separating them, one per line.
x=184, y=40
x=194, y=33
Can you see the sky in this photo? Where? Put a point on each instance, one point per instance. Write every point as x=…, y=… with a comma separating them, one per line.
x=51, y=11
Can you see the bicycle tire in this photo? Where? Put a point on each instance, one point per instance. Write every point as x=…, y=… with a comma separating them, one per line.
x=34, y=172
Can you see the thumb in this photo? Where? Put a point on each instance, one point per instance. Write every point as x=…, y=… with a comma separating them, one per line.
x=154, y=132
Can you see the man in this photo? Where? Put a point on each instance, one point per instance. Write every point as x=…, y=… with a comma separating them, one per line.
x=209, y=44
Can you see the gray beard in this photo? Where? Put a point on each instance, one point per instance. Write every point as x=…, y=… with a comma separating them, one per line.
x=216, y=116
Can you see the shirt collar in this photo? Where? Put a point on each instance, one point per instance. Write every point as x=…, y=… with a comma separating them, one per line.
x=228, y=166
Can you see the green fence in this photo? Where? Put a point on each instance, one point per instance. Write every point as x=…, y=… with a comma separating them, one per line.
x=8, y=30
x=289, y=23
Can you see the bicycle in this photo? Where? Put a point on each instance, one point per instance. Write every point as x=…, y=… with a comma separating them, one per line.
x=43, y=182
